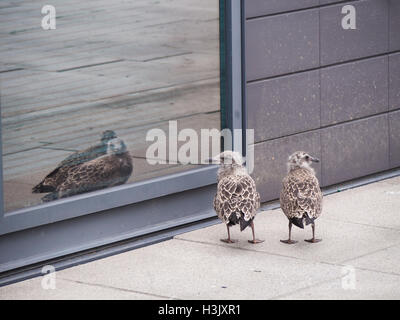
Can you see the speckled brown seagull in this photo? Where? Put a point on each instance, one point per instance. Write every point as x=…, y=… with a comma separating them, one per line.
x=111, y=169
x=301, y=196
x=78, y=157
x=237, y=199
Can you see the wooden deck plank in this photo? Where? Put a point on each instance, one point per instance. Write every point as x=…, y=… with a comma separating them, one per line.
x=106, y=19
x=112, y=85
x=174, y=106
x=13, y=117
x=175, y=103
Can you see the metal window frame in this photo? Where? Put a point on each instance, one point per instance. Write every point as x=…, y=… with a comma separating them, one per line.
x=128, y=202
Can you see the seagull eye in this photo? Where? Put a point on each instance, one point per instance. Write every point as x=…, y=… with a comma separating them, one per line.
x=307, y=157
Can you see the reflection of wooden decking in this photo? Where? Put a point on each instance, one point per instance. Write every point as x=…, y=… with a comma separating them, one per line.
x=126, y=66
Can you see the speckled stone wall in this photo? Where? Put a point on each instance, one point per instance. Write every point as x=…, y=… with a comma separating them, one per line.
x=313, y=86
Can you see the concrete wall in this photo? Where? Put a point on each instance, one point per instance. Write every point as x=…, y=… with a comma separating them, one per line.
x=313, y=86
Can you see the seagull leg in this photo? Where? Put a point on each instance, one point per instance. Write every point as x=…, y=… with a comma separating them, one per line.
x=254, y=241
x=313, y=240
x=289, y=241
x=229, y=240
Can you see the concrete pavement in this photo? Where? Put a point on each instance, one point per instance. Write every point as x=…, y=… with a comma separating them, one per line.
x=357, y=259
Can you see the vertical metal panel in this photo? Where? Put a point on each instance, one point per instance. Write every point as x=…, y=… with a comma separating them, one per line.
x=247, y=138
x=370, y=38
x=234, y=69
x=281, y=44
x=394, y=131
x=394, y=81
x=355, y=149
x=284, y=105
x=236, y=15
x=255, y=8
x=223, y=63
x=354, y=90
x=394, y=25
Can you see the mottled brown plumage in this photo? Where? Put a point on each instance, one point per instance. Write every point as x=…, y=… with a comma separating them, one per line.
x=112, y=169
x=55, y=178
x=301, y=196
x=236, y=196
x=237, y=199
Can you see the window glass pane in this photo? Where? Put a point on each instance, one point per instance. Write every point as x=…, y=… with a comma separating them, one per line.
x=81, y=88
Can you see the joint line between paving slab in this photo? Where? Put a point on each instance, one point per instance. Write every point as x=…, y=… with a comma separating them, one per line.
x=273, y=207
x=119, y=289
x=256, y=251
x=369, y=253
x=378, y=271
x=335, y=264
x=327, y=281
x=304, y=288
x=362, y=224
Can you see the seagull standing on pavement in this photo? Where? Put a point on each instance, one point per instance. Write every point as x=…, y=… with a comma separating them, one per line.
x=301, y=196
x=237, y=199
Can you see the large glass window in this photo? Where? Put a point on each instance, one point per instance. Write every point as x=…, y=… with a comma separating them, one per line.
x=78, y=101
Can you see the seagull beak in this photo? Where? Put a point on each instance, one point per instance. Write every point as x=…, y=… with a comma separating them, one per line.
x=315, y=160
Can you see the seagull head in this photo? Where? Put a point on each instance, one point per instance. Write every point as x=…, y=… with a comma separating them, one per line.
x=116, y=146
x=107, y=136
x=228, y=158
x=230, y=162
x=301, y=159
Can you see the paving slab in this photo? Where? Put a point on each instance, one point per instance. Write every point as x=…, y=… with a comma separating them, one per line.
x=386, y=260
x=187, y=270
x=368, y=286
x=68, y=290
x=376, y=204
x=341, y=241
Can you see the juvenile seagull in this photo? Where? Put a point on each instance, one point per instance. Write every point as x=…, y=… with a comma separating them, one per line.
x=78, y=157
x=237, y=199
x=301, y=197
x=108, y=170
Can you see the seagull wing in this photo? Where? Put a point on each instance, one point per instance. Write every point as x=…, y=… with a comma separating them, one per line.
x=105, y=171
x=301, y=194
x=236, y=194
